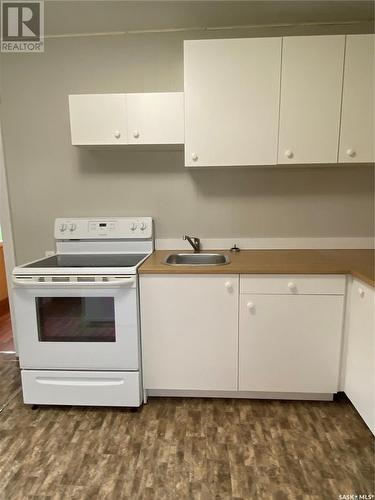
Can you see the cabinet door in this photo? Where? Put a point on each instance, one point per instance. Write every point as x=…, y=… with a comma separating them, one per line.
x=189, y=331
x=311, y=85
x=231, y=101
x=98, y=119
x=357, y=121
x=290, y=343
x=360, y=365
x=156, y=118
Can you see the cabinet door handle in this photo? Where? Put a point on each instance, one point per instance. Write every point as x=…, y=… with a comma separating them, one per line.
x=361, y=292
x=289, y=153
x=194, y=156
x=292, y=286
x=351, y=152
x=250, y=306
x=117, y=134
x=135, y=134
x=228, y=286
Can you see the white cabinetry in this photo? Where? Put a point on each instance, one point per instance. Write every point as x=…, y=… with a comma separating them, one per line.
x=189, y=331
x=310, y=102
x=98, y=119
x=156, y=118
x=360, y=364
x=109, y=119
x=288, y=339
x=358, y=103
x=231, y=101
x=290, y=333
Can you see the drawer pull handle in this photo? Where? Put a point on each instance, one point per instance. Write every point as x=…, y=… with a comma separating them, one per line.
x=292, y=286
x=78, y=382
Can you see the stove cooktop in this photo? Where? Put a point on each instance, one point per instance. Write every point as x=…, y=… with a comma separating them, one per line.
x=61, y=261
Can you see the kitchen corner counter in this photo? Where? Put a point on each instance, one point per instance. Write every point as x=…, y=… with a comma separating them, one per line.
x=358, y=263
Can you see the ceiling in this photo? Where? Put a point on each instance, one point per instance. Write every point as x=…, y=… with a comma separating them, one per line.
x=72, y=17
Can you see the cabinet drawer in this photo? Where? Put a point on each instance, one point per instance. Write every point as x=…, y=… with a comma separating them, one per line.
x=81, y=388
x=293, y=284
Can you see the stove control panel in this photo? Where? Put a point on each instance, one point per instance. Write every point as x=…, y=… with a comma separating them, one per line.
x=118, y=228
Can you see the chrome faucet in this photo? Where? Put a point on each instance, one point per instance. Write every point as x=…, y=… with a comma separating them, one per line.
x=194, y=242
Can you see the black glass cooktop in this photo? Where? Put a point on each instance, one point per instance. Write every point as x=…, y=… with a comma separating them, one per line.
x=89, y=260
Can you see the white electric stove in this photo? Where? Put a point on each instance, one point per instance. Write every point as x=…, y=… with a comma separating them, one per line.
x=77, y=314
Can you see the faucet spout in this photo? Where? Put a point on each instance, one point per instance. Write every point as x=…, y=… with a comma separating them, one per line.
x=194, y=242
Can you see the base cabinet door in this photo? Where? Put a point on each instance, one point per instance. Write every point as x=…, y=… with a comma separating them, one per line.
x=290, y=343
x=189, y=331
x=360, y=364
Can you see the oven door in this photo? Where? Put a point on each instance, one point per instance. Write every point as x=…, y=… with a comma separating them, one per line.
x=80, y=326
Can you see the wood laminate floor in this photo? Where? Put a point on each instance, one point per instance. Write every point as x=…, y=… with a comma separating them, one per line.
x=6, y=335
x=182, y=449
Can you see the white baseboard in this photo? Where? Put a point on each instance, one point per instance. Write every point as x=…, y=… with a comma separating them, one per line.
x=269, y=243
x=302, y=396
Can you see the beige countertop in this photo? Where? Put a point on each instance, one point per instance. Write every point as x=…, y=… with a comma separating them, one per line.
x=358, y=263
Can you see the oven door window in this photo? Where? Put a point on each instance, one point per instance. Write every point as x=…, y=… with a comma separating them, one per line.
x=76, y=319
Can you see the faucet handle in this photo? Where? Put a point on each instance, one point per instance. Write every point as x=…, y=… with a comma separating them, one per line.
x=194, y=242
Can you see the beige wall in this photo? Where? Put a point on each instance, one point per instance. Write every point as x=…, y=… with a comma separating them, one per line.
x=49, y=178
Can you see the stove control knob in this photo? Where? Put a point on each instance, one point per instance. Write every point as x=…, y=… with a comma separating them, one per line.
x=62, y=227
x=72, y=227
x=134, y=226
x=143, y=226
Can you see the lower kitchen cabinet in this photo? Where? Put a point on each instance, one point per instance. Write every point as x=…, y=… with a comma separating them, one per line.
x=359, y=382
x=250, y=333
x=189, y=331
x=290, y=342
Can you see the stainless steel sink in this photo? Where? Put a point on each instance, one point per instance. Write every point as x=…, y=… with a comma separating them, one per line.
x=196, y=259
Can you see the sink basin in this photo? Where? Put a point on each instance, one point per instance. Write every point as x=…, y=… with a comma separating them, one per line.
x=196, y=259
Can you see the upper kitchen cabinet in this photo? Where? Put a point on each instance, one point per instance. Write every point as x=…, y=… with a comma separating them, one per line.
x=231, y=101
x=127, y=119
x=156, y=118
x=98, y=119
x=311, y=87
x=358, y=106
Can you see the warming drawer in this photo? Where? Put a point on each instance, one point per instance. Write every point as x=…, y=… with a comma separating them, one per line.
x=84, y=388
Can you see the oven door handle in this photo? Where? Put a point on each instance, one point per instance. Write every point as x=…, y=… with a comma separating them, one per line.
x=117, y=283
